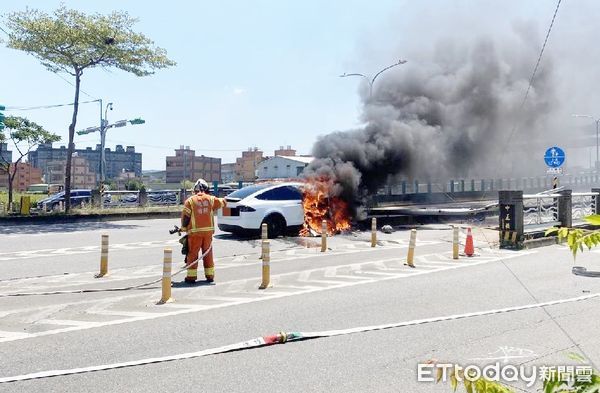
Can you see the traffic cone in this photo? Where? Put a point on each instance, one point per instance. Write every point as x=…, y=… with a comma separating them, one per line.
x=469, y=249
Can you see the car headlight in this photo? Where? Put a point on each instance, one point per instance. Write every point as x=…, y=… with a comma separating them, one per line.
x=246, y=209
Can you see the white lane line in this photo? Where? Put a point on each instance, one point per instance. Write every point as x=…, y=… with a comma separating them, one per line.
x=270, y=295
x=13, y=335
x=66, y=322
x=122, y=313
x=321, y=334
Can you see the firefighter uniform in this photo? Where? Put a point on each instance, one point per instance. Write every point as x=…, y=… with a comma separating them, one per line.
x=197, y=219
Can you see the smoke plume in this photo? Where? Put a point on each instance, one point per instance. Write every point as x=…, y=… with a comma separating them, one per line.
x=449, y=114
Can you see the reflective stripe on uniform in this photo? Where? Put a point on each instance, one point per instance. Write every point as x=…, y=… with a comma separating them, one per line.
x=193, y=229
x=192, y=272
x=209, y=271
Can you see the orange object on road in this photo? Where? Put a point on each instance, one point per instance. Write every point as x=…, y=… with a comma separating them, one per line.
x=469, y=248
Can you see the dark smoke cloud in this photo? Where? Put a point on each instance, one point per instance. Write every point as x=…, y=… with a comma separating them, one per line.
x=447, y=115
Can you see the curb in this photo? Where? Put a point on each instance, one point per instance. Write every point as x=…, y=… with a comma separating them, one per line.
x=540, y=242
x=64, y=219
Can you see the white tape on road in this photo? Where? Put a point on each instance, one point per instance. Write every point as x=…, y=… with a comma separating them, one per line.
x=259, y=342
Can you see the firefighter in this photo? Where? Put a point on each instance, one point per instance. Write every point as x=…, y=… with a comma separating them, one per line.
x=198, y=220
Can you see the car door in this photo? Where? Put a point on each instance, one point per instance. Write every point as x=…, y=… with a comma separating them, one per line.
x=288, y=201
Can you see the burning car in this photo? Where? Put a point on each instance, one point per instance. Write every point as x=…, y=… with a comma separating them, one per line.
x=277, y=205
x=291, y=207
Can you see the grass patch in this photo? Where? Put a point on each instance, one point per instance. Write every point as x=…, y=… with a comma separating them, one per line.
x=17, y=197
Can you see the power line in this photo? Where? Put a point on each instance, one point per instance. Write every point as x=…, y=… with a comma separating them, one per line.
x=170, y=148
x=537, y=64
x=30, y=108
x=71, y=83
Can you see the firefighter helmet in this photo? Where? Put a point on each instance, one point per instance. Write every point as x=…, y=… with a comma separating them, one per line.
x=201, y=185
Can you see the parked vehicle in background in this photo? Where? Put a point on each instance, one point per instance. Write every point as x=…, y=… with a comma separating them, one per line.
x=43, y=188
x=53, y=202
x=223, y=191
x=277, y=205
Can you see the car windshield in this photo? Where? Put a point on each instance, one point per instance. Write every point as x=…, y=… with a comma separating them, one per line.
x=246, y=191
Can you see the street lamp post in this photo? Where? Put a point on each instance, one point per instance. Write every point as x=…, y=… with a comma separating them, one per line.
x=597, y=121
x=372, y=81
x=104, y=126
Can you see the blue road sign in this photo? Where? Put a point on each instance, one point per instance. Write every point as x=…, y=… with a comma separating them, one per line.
x=554, y=157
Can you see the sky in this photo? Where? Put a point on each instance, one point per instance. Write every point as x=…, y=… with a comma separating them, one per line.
x=266, y=73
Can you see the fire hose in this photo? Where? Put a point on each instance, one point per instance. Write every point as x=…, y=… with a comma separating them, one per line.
x=285, y=337
x=128, y=288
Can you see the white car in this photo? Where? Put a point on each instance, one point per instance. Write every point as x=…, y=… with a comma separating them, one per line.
x=278, y=205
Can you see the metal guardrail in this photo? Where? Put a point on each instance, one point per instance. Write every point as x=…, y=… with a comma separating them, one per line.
x=111, y=199
x=540, y=209
x=583, y=204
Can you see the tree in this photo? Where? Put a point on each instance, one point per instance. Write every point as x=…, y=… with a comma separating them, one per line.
x=577, y=238
x=69, y=41
x=25, y=135
x=187, y=184
x=134, y=185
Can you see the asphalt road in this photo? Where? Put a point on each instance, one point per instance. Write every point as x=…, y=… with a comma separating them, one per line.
x=351, y=285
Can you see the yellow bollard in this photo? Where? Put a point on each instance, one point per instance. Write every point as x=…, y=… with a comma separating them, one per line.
x=411, y=248
x=103, y=257
x=324, y=236
x=266, y=265
x=264, y=235
x=166, y=278
x=455, y=242
x=373, y=232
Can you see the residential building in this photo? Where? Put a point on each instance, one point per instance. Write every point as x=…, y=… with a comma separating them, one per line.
x=228, y=172
x=5, y=154
x=185, y=165
x=116, y=161
x=247, y=164
x=281, y=167
x=26, y=175
x=81, y=174
x=285, y=152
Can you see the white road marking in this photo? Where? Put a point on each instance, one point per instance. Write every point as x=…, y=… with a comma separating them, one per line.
x=69, y=322
x=259, y=341
x=13, y=335
x=269, y=294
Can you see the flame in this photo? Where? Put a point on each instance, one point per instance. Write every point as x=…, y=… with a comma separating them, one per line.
x=319, y=204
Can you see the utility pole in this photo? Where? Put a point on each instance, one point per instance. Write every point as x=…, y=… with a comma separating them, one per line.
x=596, y=120
x=104, y=127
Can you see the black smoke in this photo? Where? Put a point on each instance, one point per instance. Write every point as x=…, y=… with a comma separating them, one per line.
x=458, y=111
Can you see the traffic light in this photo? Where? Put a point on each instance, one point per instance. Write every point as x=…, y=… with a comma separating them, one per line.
x=137, y=121
x=2, y=108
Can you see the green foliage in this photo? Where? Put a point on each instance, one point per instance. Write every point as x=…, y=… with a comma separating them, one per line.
x=577, y=238
x=134, y=185
x=71, y=41
x=471, y=384
x=555, y=382
x=187, y=184
x=25, y=134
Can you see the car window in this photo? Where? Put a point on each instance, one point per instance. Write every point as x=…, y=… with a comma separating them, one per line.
x=246, y=191
x=285, y=193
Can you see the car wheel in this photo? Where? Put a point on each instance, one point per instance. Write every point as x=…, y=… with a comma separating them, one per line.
x=276, y=225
